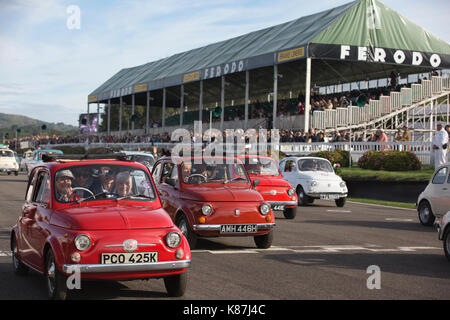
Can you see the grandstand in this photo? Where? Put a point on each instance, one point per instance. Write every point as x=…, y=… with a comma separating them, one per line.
x=283, y=64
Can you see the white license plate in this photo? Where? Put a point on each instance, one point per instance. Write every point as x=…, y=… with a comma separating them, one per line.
x=329, y=197
x=278, y=208
x=129, y=257
x=238, y=228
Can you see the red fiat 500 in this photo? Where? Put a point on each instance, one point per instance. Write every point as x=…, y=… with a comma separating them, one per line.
x=273, y=187
x=209, y=197
x=101, y=219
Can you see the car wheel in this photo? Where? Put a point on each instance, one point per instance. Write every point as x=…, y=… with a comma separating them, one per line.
x=446, y=239
x=340, y=202
x=19, y=268
x=264, y=241
x=303, y=199
x=176, y=285
x=183, y=225
x=426, y=216
x=56, y=282
x=16, y=173
x=290, y=213
x=9, y=173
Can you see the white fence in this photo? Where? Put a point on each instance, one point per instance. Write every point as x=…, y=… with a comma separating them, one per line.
x=422, y=150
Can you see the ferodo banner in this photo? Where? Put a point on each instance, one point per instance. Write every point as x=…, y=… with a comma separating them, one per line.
x=380, y=55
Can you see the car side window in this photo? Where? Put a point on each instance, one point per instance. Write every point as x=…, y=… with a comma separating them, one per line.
x=30, y=191
x=167, y=171
x=440, y=176
x=289, y=166
x=43, y=193
x=174, y=173
x=157, y=173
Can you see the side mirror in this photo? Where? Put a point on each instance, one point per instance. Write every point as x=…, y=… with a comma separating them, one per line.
x=256, y=182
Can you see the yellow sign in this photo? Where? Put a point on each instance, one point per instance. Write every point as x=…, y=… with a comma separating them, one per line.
x=193, y=76
x=291, y=54
x=93, y=98
x=140, y=87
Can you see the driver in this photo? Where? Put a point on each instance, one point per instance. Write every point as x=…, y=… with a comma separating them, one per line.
x=83, y=179
x=63, y=186
x=186, y=172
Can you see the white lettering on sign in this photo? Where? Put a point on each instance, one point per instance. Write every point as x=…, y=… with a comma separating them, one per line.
x=399, y=57
x=236, y=66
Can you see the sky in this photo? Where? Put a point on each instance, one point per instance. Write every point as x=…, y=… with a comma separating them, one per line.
x=50, y=61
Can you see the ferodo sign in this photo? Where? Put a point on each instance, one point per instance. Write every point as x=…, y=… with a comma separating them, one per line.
x=380, y=55
x=224, y=69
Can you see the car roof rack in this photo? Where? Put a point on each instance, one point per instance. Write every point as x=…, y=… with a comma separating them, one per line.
x=80, y=157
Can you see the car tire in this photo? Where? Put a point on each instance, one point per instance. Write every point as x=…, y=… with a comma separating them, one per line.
x=264, y=241
x=340, y=202
x=183, y=224
x=16, y=173
x=290, y=213
x=303, y=199
x=176, y=285
x=56, y=282
x=18, y=267
x=426, y=216
x=446, y=239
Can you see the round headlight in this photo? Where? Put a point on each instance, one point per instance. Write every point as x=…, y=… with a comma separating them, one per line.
x=207, y=209
x=82, y=242
x=173, y=239
x=313, y=183
x=342, y=184
x=291, y=192
x=264, y=208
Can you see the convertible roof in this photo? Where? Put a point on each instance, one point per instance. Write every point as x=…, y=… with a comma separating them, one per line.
x=364, y=31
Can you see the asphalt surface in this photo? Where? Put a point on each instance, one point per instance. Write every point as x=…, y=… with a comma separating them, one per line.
x=324, y=253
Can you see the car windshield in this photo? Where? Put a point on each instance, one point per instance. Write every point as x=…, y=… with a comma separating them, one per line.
x=6, y=153
x=49, y=153
x=209, y=172
x=261, y=166
x=102, y=182
x=145, y=160
x=314, y=165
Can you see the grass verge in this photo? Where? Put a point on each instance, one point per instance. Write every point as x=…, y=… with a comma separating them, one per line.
x=384, y=203
x=357, y=174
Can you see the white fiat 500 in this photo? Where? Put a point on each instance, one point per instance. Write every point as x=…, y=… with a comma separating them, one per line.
x=8, y=162
x=434, y=201
x=443, y=226
x=313, y=178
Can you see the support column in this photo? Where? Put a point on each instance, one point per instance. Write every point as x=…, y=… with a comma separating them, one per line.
x=163, y=121
x=200, y=103
x=109, y=118
x=307, y=94
x=275, y=96
x=147, y=113
x=181, y=104
x=247, y=84
x=88, y=123
x=120, y=117
x=132, y=110
x=222, y=103
x=98, y=117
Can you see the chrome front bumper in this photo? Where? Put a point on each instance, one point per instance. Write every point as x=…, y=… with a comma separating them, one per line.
x=216, y=227
x=282, y=203
x=127, y=267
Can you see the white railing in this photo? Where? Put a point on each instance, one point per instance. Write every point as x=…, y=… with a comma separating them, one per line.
x=422, y=150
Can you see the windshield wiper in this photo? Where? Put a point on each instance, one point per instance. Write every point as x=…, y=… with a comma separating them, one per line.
x=94, y=196
x=135, y=196
x=233, y=179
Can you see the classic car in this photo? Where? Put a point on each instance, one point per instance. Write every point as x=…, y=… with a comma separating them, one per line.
x=8, y=162
x=36, y=158
x=265, y=174
x=443, y=226
x=101, y=218
x=314, y=178
x=434, y=201
x=146, y=158
x=27, y=156
x=212, y=197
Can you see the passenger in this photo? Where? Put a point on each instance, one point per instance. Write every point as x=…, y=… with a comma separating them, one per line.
x=124, y=184
x=63, y=186
x=105, y=182
x=186, y=172
x=83, y=179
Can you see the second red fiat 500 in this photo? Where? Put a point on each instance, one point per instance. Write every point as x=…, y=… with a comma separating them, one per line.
x=213, y=197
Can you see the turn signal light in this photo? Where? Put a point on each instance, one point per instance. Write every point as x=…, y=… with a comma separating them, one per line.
x=268, y=218
x=202, y=220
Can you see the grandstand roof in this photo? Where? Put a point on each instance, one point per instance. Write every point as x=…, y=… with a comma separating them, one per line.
x=365, y=32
